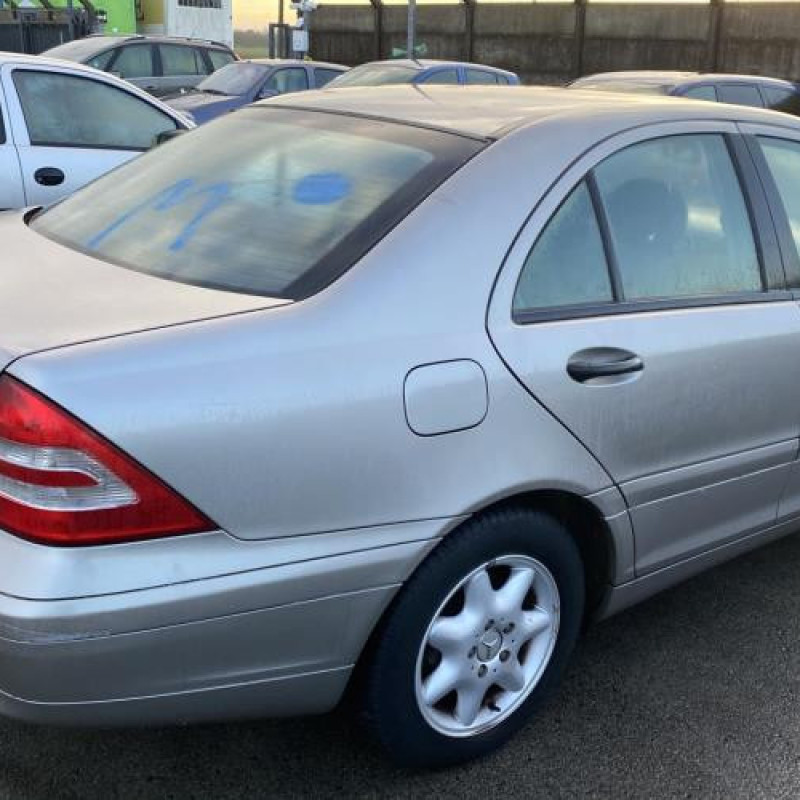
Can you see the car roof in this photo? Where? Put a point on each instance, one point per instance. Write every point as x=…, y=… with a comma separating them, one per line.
x=427, y=63
x=292, y=62
x=104, y=40
x=492, y=112
x=44, y=60
x=675, y=78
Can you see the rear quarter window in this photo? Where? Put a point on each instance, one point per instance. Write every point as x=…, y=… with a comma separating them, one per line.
x=283, y=212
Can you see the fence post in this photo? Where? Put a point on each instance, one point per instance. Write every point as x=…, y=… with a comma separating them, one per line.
x=579, y=37
x=469, y=27
x=411, y=30
x=716, y=30
x=377, y=7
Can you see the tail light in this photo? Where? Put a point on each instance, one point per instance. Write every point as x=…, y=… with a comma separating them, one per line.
x=63, y=484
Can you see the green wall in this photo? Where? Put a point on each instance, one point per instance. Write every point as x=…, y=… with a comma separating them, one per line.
x=121, y=13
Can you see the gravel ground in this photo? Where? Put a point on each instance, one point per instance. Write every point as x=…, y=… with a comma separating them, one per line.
x=691, y=695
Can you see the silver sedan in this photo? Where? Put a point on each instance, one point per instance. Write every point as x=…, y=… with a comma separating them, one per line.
x=390, y=390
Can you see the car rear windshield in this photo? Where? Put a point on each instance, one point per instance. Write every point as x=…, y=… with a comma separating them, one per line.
x=382, y=75
x=629, y=87
x=233, y=79
x=267, y=201
x=81, y=49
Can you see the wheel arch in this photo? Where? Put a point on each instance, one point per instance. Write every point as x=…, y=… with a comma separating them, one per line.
x=586, y=525
x=580, y=517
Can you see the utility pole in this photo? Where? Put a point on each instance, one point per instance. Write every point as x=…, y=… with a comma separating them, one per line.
x=71, y=17
x=412, y=28
x=280, y=43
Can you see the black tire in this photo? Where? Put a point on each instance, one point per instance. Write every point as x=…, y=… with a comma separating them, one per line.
x=390, y=702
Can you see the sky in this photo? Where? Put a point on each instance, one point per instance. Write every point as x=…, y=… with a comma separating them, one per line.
x=256, y=14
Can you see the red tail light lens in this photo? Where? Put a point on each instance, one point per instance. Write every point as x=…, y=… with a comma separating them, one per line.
x=61, y=483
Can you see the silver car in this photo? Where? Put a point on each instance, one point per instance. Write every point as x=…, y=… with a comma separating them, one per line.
x=390, y=390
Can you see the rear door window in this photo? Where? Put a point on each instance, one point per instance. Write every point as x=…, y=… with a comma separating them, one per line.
x=134, y=61
x=480, y=76
x=298, y=200
x=443, y=76
x=740, y=94
x=700, y=93
x=678, y=220
x=177, y=60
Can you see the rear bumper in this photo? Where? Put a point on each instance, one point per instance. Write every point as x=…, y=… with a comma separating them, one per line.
x=276, y=639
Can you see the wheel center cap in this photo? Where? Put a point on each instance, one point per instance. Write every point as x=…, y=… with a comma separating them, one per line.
x=490, y=644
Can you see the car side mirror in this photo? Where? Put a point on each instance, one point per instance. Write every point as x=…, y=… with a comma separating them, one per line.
x=166, y=136
x=265, y=94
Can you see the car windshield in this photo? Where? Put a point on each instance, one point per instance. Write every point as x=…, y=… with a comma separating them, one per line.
x=81, y=49
x=234, y=79
x=375, y=75
x=627, y=86
x=268, y=201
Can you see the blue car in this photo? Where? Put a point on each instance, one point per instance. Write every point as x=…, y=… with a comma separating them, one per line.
x=244, y=82
x=381, y=73
x=742, y=90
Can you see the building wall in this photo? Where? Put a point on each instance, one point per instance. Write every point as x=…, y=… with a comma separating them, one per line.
x=201, y=23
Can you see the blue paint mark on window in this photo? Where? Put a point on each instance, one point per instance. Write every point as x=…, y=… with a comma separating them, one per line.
x=321, y=188
x=183, y=191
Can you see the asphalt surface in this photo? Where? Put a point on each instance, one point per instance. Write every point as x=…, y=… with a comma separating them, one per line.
x=695, y=694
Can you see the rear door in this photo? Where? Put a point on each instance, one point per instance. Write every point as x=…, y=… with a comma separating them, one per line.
x=70, y=128
x=12, y=194
x=644, y=309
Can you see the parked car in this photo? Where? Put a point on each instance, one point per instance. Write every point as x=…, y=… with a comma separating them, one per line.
x=233, y=474
x=745, y=90
x=63, y=125
x=160, y=65
x=383, y=73
x=244, y=82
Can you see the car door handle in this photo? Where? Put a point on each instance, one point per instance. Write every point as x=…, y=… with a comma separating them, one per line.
x=603, y=362
x=49, y=176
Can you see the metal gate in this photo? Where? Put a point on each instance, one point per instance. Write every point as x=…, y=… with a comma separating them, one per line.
x=24, y=30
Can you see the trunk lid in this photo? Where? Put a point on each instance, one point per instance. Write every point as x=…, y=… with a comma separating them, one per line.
x=52, y=296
